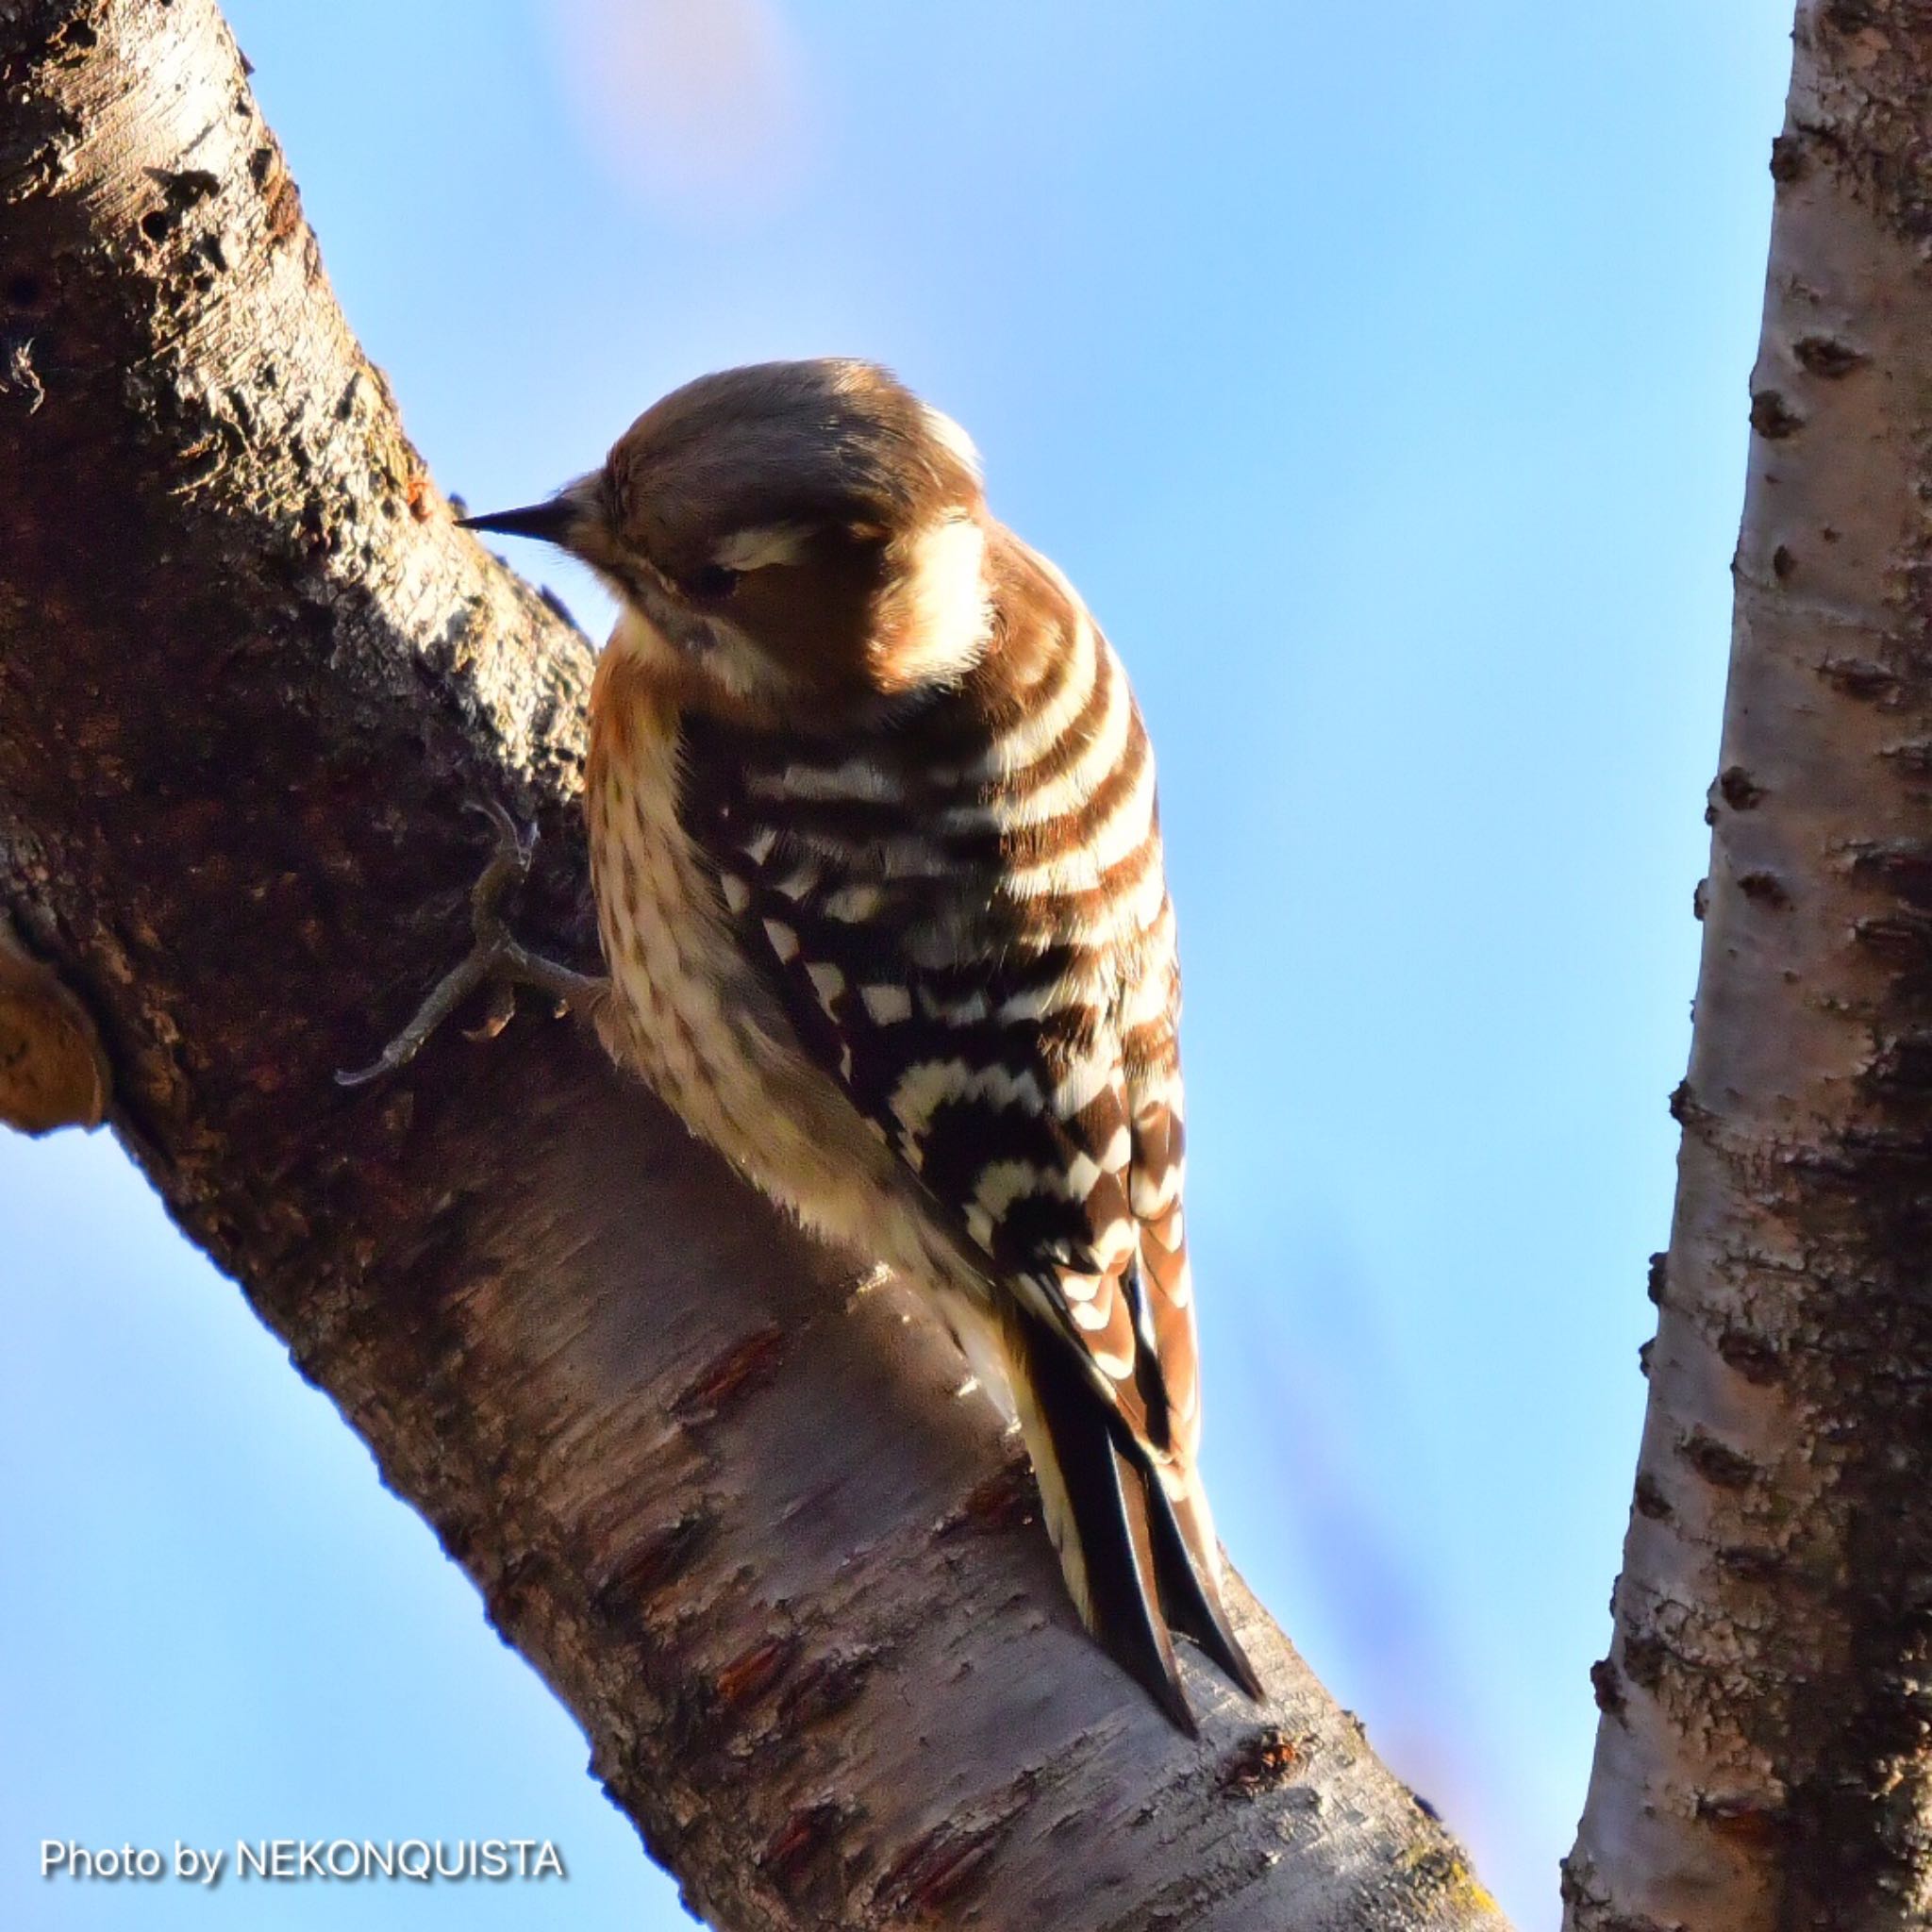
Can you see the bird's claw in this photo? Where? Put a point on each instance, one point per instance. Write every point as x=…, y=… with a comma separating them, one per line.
x=496, y=959
x=509, y=864
x=503, y=1010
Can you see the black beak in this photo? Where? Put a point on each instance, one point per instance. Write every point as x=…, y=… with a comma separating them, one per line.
x=549, y=523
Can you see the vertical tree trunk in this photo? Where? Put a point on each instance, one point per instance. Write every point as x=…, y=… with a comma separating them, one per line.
x=1762, y=1758
x=719, y=1490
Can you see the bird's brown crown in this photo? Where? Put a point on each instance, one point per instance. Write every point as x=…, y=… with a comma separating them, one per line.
x=789, y=540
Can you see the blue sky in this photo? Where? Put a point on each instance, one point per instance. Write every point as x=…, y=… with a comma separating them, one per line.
x=1379, y=375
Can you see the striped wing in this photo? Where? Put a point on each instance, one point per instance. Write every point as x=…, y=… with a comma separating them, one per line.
x=980, y=952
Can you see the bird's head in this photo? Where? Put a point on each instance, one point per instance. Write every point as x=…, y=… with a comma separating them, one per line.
x=789, y=540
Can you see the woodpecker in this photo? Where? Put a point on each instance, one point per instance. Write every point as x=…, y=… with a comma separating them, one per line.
x=877, y=865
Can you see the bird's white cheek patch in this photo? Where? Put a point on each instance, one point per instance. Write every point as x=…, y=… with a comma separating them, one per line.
x=640, y=640
x=939, y=629
x=767, y=543
x=716, y=651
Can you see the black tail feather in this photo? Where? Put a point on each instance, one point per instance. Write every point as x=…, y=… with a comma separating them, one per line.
x=1095, y=1498
x=1137, y=1560
x=1190, y=1598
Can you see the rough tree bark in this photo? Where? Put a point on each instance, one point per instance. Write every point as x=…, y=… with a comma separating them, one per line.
x=721, y=1493
x=1762, y=1758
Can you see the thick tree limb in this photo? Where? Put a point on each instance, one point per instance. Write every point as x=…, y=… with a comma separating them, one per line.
x=721, y=1493
x=1762, y=1761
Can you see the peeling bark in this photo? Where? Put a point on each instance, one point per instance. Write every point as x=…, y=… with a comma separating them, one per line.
x=1762, y=1759
x=719, y=1491
x=53, y=1072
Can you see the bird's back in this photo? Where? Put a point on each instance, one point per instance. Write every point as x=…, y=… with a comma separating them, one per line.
x=962, y=976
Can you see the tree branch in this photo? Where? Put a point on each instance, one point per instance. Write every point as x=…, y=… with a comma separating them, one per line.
x=1762, y=1759
x=719, y=1491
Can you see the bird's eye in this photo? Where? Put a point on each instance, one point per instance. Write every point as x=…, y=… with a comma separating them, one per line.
x=713, y=582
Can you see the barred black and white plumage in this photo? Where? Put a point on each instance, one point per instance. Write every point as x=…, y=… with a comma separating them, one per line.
x=878, y=871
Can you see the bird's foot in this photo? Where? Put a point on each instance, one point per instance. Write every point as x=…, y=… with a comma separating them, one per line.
x=497, y=959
